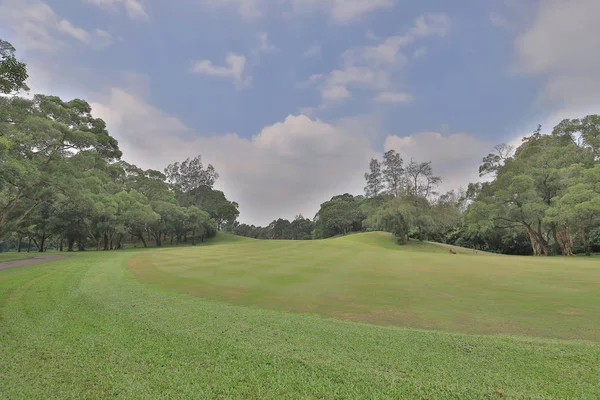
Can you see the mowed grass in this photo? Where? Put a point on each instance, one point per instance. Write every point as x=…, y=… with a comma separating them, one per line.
x=13, y=255
x=369, y=278
x=84, y=327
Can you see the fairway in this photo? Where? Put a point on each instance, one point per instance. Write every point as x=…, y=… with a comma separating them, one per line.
x=369, y=278
x=85, y=327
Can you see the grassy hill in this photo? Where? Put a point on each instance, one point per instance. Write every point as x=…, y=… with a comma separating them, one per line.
x=121, y=325
x=367, y=277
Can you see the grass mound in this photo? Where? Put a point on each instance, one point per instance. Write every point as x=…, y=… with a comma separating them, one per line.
x=368, y=278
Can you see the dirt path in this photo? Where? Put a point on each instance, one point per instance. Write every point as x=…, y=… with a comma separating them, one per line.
x=31, y=261
x=464, y=249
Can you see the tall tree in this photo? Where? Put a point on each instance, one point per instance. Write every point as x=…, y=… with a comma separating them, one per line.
x=374, y=179
x=13, y=73
x=36, y=136
x=393, y=172
x=421, y=182
x=191, y=174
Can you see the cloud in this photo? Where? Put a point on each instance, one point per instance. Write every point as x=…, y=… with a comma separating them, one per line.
x=373, y=67
x=312, y=51
x=247, y=9
x=37, y=27
x=78, y=33
x=235, y=65
x=288, y=167
x=134, y=8
x=342, y=11
x=264, y=46
x=394, y=97
x=420, y=52
x=455, y=157
x=559, y=44
x=105, y=39
x=335, y=93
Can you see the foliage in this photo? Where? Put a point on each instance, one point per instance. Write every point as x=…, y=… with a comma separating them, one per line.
x=547, y=189
x=13, y=73
x=63, y=184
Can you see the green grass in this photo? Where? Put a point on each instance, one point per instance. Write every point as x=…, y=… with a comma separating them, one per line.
x=13, y=255
x=84, y=327
x=368, y=278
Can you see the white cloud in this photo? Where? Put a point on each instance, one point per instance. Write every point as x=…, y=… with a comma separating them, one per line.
x=561, y=44
x=134, y=8
x=394, y=97
x=420, y=52
x=36, y=26
x=264, y=45
x=342, y=11
x=235, y=65
x=373, y=67
x=78, y=33
x=248, y=9
x=289, y=167
x=104, y=39
x=455, y=157
x=312, y=51
x=335, y=93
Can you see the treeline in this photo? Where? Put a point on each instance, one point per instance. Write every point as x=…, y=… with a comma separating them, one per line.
x=542, y=198
x=546, y=191
x=281, y=229
x=64, y=186
x=399, y=198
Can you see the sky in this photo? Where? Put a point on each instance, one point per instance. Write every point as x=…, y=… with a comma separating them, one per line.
x=290, y=99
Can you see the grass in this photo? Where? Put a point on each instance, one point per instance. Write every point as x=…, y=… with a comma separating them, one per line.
x=13, y=255
x=368, y=278
x=84, y=327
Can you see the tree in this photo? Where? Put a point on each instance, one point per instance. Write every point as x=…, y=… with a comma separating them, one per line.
x=13, y=73
x=579, y=207
x=338, y=216
x=527, y=186
x=421, y=182
x=198, y=222
x=374, y=179
x=190, y=174
x=493, y=161
x=136, y=214
x=393, y=172
x=36, y=136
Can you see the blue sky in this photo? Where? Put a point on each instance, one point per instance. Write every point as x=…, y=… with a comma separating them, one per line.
x=288, y=99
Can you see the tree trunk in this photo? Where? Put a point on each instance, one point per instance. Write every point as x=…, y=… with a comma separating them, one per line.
x=42, y=242
x=538, y=244
x=171, y=237
x=29, y=245
x=19, y=244
x=157, y=238
x=563, y=238
x=193, y=237
x=139, y=234
x=586, y=241
x=106, y=247
x=70, y=244
x=61, y=244
x=119, y=242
